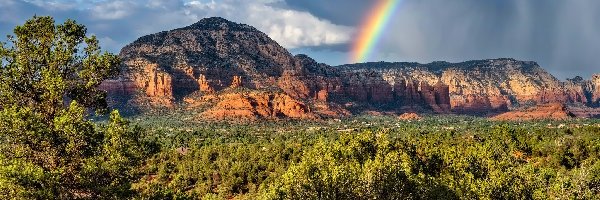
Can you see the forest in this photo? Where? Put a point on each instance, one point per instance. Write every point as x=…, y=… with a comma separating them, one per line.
x=60, y=140
x=439, y=157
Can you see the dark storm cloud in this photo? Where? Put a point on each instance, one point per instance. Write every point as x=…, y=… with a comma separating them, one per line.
x=561, y=35
x=345, y=12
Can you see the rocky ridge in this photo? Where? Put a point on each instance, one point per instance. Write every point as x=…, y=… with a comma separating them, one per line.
x=495, y=85
x=208, y=59
x=232, y=70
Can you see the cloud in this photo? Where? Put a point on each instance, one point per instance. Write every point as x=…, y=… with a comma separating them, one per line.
x=562, y=35
x=113, y=10
x=124, y=21
x=290, y=28
x=343, y=12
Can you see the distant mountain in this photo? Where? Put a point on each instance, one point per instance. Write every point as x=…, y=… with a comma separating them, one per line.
x=230, y=70
x=491, y=85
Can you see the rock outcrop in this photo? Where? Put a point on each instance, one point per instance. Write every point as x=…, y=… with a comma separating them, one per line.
x=594, y=90
x=258, y=105
x=215, y=54
x=553, y=111
x=204, y=86
x=585, y=112
x=212, y=55
x=410, y=117
x=119, y=87
x=233, y=70
x=153, y=82
x=206, y=56
x=413, y=95
x=236, y=82
x=484, y=86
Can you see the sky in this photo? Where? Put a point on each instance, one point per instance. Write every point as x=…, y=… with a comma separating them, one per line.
x=563, y=36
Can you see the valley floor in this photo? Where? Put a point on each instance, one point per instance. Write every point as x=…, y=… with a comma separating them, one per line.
x=366, y=157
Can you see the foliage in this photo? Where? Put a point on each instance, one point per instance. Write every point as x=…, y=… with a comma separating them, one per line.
x=373, y=157
x=49, y=149
x=48, y=64
x=363, y=166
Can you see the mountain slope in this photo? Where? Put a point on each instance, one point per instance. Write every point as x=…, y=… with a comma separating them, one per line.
x=230, y=70
x=488, y=85
x=206, y=56
x=198, y=65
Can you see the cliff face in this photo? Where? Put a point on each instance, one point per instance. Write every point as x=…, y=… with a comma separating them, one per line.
x=258, y=105
x=214, y=55
x=235, y=71
x=555, y=111
x=204, y=57
x=486, y=85
x=594, y=90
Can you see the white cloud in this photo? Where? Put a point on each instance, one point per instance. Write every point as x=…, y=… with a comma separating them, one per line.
x=164, y=4
x=125, y=20
x=52, y=5
x=112, y=10
x=292, y=29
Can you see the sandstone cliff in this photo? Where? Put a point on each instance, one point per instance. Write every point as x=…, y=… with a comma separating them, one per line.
x=258, y=105
x=485, y=86
x=594, y=90
x=205, y=56
x=554, y=111
x=232, y=70
x=180, y=66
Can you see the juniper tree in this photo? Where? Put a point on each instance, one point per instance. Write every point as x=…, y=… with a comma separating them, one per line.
x=49, y=75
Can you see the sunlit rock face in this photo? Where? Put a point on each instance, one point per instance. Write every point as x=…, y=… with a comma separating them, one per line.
x=594, y=90
x=483, y=86
x=207, y=64
x=553, y=111
x=204, y=61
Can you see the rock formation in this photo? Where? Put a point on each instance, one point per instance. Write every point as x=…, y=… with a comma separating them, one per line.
x=118, y=87
x=236, y=82
x=213, y=55
x=234, y=70
x=155, y=84
x=413, y=95
x=585, y=112
x=410, y=116
x=553, y=111
x=204, y=86
x=206, y=56
x=594, y=90
x=483, y=86
x=257, y=105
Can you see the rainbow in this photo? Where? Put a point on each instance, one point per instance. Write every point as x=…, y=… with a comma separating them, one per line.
x=372, y=28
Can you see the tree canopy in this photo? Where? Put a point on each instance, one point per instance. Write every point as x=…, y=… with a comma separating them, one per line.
x=47, y=65
x=49, y=76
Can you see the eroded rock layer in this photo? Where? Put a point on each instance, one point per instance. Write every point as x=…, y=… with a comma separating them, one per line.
x=258, y=105
x=554, y=111
x=182, y=65
x=485, y=86
x=235, y=71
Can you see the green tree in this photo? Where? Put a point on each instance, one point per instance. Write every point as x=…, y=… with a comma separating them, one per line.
x=49, y=75
x=362, y=166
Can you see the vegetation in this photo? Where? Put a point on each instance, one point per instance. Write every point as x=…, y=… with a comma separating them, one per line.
x=48, y=147
x=53, y=147
x=374, y=158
